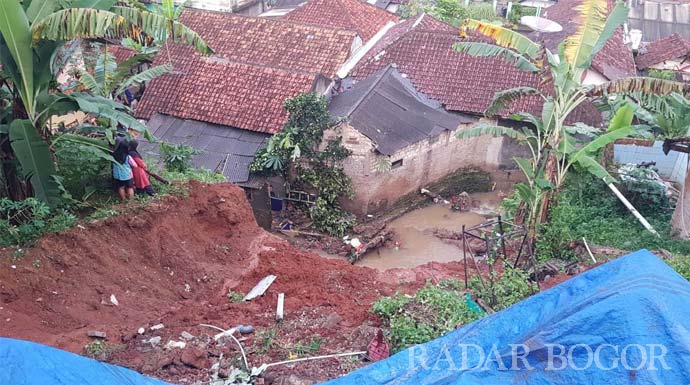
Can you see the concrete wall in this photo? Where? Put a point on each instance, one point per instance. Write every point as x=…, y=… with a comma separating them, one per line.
x=672, y=166
x=422, y=163
x=659, y=18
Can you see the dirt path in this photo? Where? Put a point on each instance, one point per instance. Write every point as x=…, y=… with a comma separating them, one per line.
x=174, y=262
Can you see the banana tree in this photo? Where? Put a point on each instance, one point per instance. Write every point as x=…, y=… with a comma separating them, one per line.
x=31, y=32
x=110, y=79
x=551, y=138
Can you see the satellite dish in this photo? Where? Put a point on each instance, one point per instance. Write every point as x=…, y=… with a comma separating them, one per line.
x=540, y=24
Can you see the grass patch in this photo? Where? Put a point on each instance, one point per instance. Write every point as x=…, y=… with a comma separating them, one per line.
x=431, y=312
x=587, y=208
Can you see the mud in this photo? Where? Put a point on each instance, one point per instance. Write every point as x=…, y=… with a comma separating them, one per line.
x=174, y=262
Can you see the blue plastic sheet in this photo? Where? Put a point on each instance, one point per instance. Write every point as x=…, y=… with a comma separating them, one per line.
x=634, y=311
x=28, y=363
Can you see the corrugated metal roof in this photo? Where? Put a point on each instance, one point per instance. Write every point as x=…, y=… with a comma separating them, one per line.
x=224, y=149
x=387, y=109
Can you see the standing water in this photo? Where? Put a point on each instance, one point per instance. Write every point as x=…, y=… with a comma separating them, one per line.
x=417, y=244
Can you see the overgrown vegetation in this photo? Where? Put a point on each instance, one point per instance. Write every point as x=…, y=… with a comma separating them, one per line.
x=450, y=11
x=431, y=312
x=24, y=221
x=299, y=155
x=177, y=157
x=586, y=208
x=501, y=290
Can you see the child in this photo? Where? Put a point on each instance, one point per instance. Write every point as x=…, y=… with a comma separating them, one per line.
x=122, y=169
x=141, y=178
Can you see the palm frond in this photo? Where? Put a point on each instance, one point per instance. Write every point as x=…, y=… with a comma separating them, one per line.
x=643, y=85
x=503, y=99
x=144, y=76
x=484, y=49
x=593, y=167
x=591, y=15
x=617, y=17
x=505, y=37
x=485, y=129
x=89, y=82
x=119, y=23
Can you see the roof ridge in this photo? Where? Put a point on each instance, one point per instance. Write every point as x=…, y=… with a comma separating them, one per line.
x=382, y=73
x=399, y=39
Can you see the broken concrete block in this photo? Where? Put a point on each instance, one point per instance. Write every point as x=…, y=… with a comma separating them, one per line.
x=153, y=340
x=113, y=300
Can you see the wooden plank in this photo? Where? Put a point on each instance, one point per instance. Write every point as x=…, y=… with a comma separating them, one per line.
x=260, y=288
x=279, y=307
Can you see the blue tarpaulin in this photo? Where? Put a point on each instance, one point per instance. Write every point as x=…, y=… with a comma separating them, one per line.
x=28, y=363
x=624, y=322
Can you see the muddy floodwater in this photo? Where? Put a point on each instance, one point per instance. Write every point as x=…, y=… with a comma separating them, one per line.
x=417, y=245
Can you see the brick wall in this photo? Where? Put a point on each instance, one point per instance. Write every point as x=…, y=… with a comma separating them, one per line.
x=422, y=163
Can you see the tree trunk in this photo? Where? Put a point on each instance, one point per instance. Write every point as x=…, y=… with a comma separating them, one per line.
x=681, y=215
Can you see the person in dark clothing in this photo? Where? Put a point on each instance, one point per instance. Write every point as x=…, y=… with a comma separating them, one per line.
x=122, y=169
x=141, y=178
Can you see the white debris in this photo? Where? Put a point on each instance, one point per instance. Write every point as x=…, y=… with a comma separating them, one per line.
x=113, y=300
x=175, y=344
x=187, y=288
x=186, y=336
x=157, y=327
x=14, y=266
x=260, y=288
x=141, y=330
x=153, y=340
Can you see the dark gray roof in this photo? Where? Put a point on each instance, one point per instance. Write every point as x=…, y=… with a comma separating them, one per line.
x=224, y=149
x=387, y=109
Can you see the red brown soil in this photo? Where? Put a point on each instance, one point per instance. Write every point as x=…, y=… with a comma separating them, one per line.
x=173, y=262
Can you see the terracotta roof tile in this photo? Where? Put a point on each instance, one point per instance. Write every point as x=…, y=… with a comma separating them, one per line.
x=459, y=81
x=354, y=15
x=273, y=43
x=121, y=53
x=218, y=91
x=668, y=48
x=614, y=61
x=257, y=64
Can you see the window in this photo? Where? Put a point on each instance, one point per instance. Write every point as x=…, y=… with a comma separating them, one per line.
x=398, y=163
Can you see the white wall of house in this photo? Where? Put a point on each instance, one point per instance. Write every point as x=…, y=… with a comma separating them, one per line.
x=671, y=167
x=414, y=167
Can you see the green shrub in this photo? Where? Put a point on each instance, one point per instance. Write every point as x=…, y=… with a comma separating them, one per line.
x=25, y=221
x=432, y=312
x=681, y=264
x=83, y=171
x=587, y=208
x=507, y=288
x=177, y=157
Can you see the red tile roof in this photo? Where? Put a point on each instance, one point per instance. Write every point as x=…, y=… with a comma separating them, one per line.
x=459, y=81
x=273, y=43
x=668, y=48
x=257, y=64
x=423, y=51
x=354, y=15
x=121, y=53
x=217, y=91
x=614, y=61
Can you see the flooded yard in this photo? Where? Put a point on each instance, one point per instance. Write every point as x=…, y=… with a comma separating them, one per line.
x=417, y=244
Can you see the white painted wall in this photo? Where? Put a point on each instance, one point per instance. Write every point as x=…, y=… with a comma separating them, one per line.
x=672, y=166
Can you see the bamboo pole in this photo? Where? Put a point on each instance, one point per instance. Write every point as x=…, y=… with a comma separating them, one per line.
x=632, y=209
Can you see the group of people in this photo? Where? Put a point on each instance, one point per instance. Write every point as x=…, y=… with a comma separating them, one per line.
x=129, y=170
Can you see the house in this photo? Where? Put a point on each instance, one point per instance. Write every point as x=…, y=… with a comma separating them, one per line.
x=422, y=49
x=257, y=64
x=614, y=61
x=670, y=53
x=353, y=15
x=385, y=120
